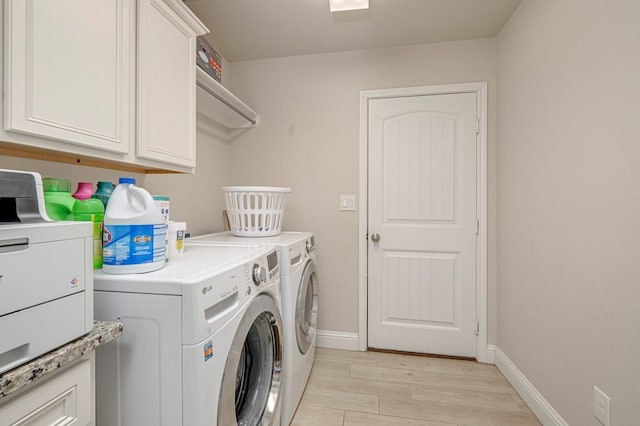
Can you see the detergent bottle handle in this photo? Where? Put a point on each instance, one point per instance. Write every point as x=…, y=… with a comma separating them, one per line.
x=146, y=202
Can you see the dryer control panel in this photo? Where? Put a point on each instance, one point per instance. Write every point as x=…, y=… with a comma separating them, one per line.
x=296, y=256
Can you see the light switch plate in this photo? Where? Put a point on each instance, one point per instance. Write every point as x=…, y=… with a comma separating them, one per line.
x=348, y=203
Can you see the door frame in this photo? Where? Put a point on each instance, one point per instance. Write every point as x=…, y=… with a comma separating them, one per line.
x=480, y=89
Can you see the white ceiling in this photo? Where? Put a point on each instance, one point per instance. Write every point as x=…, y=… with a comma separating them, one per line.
x=254, y=29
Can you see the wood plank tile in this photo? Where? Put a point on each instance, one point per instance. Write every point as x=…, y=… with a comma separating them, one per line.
x=437, y=364
x=478, y=369
x=308, y=415
x=356, y=385
x=368, y=358
x=423, y=364
x=450, y=381
x=459, y=397
x=373, y=388
x=434, y=412
x=352, y=418
x=511, y=419
x=331, y=367
x=340, y=400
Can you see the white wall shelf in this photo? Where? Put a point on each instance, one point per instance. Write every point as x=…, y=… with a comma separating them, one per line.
x=222, y=112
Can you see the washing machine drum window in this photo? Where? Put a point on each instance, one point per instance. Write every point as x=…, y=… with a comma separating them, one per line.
x=251, y=383
x=307, y=308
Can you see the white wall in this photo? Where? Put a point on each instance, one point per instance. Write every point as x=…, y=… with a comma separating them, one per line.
x=195, y=198
x=569, y=202
x=308, y=140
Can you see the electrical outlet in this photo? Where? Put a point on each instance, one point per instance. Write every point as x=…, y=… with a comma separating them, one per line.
x=601, y=406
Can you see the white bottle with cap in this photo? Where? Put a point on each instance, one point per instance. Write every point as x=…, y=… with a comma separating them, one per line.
x=176, y=236
x=134, y=231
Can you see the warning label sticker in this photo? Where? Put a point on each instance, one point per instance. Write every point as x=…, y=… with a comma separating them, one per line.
x=208, y=351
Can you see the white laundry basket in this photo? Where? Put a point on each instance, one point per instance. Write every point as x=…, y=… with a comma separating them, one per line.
x=255, y=211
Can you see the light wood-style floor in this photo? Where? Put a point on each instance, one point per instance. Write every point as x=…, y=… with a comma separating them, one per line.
x=349, y=388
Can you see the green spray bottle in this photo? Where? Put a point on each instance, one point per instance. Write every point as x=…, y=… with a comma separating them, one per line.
x=89, y=209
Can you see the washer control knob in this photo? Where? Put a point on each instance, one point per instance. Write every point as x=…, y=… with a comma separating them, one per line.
x=310, y=247
x=259, y=274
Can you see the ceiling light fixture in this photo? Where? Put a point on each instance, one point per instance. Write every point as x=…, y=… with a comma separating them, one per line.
x=342, y=5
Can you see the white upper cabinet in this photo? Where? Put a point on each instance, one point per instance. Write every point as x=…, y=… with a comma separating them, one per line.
x=68, y=71
x=102, y=82
x=167, y=33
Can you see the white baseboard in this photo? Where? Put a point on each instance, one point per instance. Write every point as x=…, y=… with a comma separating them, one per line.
x=337, y=340
x=529, y=394
x=491, y=354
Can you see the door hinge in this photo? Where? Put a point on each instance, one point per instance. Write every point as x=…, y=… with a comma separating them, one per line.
x=477, y=327
x=477, y=125
x=477, y=226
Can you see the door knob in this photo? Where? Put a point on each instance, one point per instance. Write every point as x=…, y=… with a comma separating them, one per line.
x=375, y=237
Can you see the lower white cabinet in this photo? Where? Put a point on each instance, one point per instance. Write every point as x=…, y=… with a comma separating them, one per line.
x=64, y=399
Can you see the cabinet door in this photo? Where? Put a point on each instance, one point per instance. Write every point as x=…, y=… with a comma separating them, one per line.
x=166, y=85
x=68, y=72
x=64, y=399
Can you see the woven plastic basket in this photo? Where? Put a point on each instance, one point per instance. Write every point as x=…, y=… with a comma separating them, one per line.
x=255, y=211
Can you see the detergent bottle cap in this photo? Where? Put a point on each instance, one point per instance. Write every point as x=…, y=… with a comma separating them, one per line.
x=56, y=185
x=127, y=180
x=84, y=191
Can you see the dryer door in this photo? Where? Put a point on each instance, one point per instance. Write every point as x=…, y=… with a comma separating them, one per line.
x=307, y=308
x=250, y=390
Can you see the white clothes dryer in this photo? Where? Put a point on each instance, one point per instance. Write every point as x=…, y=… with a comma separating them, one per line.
x=202, y=341
x=299, y=290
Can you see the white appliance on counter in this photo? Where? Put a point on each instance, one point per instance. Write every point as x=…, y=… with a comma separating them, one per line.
x=202, y=341
x=46, y=273
x=299, y=288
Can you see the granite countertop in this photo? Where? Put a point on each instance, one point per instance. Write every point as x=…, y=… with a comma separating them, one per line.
x=22, y=376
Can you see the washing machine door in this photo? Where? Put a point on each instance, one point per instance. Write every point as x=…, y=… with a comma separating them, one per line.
x=307, y=308
x=250, y=390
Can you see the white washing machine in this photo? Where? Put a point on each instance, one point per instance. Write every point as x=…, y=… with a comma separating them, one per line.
x=299, y=289
x=202, y=341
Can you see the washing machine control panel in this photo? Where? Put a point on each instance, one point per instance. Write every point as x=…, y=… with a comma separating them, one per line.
x=259, y=274
x=273, y=265
x=209, y=304
x=265, y=270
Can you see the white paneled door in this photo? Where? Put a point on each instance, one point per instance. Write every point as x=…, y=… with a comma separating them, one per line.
x=423, y=224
